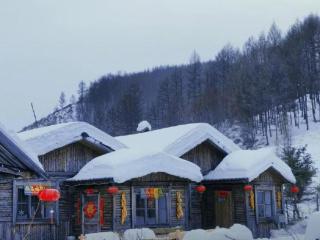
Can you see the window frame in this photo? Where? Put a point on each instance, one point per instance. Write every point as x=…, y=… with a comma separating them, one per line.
x=19, y=184
x=270, y=189
x=156, y=224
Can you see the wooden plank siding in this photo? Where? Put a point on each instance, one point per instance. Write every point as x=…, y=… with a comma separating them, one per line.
x=205, y=155
x=69, y=159
x=36, y=231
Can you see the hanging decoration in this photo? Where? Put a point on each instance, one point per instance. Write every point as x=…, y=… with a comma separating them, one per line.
x=89, y=190
x=90, y=210
x=151, y=193
x=248, y=188
x=124, y=212
x=200, y=188
x=251, y=198
x=49, y=195
x=179, y=205
x=101, y=209
x=113, y=190
x=78, y=213
x=294, y=189
x=279, y=199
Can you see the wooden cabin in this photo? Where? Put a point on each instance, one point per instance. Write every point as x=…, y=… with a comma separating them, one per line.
x=155, y=173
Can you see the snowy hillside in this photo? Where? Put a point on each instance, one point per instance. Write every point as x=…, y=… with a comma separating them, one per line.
x=66, y=114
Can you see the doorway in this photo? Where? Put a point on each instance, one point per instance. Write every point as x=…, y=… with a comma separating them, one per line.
x=223, y=208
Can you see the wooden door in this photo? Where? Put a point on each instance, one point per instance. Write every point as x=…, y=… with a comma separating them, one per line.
x=223, y=208
x=90, y=213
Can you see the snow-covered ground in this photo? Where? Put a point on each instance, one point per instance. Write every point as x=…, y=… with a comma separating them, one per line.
x=304, y=230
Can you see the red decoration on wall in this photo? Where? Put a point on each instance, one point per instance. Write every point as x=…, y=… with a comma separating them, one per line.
x=113, y=190
x=101, y=210
x=49, y=195
x=248, y=188
x=295, y=189
x=90, y=210
x=223, y=194
x=89, y=190
x=78, y=214
x=201, y=189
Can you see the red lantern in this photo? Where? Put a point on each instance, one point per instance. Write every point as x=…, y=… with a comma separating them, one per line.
x=248, y=188
x=201, y=189
x=49, y=195
x=295, y=189
x=223, y=194
x=113, y=190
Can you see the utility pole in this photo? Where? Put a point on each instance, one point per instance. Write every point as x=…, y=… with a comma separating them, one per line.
x=34, y=115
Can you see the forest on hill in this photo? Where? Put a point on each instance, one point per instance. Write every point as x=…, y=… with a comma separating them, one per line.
x=263, y=87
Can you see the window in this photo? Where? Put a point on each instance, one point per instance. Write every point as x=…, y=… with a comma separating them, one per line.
x=264, y=203
x=28, y=207
x=150, y=211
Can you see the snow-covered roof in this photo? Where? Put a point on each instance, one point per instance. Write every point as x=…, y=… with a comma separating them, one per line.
x=46, y=139
x=249, y=164
x=20, y=150
x=179, y=139
x=125, y=164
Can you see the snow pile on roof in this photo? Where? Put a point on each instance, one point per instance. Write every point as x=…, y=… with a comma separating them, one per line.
x=249, y=164
x=179, y=139
x=144, y=126
x=12, y=136
x=46, y=139
x=125, y=164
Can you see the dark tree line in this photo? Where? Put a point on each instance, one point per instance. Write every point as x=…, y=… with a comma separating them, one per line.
x=264, y=87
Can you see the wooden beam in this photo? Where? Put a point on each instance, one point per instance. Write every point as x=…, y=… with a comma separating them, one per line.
x=9, y=171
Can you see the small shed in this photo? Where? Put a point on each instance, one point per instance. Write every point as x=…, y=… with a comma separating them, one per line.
x=247, y=188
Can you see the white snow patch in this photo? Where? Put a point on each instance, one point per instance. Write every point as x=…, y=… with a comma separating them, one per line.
x=235, y=232
x=249, y=164
x=144, y=126
x=138, y=234
x=125, y=164
x=12, y=136
x=46, y=139
x=179, y=139
x=313, y=230
x=102, y=236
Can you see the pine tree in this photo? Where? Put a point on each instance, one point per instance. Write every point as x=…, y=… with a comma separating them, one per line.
x=303, y=169
x=62, y=100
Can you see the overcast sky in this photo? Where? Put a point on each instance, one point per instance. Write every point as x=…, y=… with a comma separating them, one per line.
x=47, y=46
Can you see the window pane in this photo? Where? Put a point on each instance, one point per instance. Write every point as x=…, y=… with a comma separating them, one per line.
x=22, y=211
x=267, y=197
x=260, y=197
x=162, y=210
x=22, y=198
x=140, y=216
x=268, y=211
x=151, y=203
x=151, y=216
x=139, y=201
x=35, y=207
x=261, y=212
x=47, y=208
